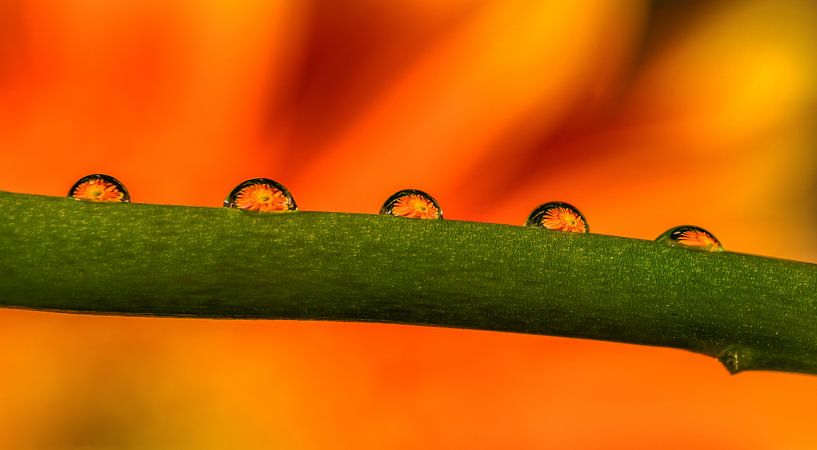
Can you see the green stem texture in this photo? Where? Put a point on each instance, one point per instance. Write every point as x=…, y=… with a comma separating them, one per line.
x=59, y=254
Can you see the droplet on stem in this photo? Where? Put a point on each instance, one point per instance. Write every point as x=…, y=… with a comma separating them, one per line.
x=99, y=187
x=558, y=216
x=413, y=204
x=691, y=237
x=261, y=194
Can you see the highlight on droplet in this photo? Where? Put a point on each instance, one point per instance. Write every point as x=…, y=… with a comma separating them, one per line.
x=261, y=194
x=558, y=216
x=691, y=237
x=99, y=188
x=412, y=203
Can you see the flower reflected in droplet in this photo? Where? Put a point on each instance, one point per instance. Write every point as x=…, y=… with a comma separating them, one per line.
x=262, y=195
x=692, y=237
x=563, y=219
x=99, y=188
x=558, y=216
x=412, y=204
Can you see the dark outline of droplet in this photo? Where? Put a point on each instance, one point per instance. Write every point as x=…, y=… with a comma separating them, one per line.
x=667, y=238
x=107, y=179
x=229, y=202
x=389, y=203
x=534, y=219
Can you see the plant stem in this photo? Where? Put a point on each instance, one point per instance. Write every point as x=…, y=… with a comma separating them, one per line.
x=64, y=255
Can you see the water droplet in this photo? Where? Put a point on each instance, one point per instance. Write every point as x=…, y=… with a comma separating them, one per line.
x=99, y=188
x=558, y=216
x=692, y=237
x=261, y=194
x=413, y=204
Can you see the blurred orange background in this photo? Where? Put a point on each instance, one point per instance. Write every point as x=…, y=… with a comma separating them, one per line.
x=645, y=115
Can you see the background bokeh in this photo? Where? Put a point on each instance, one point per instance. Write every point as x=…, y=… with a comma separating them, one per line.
x=644, y=114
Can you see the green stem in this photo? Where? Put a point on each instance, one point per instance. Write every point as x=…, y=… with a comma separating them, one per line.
x=63, y=255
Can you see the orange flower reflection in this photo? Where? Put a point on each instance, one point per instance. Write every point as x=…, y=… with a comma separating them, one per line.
x=262, y=197
x=415, y=206
x=98, y=190
x=563, y=219
x=698, y=238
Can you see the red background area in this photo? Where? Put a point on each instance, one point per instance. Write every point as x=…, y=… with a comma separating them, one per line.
x=643, y=115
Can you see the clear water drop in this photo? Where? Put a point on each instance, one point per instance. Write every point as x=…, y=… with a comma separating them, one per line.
x=413, y=204
x=100, y=188
x=691, y=237
x=261, y=194
x=558, y=216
